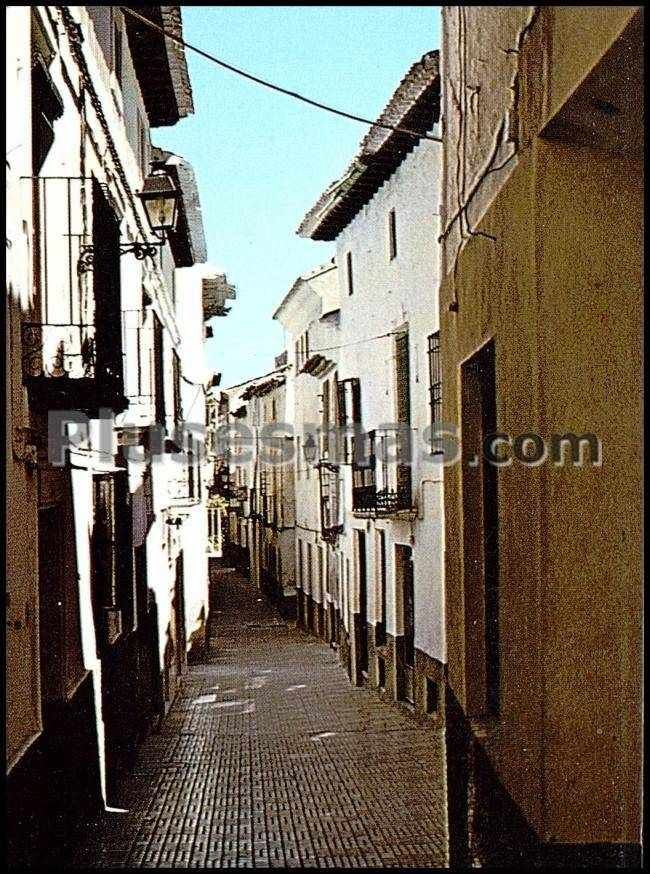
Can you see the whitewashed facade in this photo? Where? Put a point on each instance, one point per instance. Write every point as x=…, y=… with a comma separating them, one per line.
x=108, y=584
x=310, y=314
x=384, y=217
x=256, y=449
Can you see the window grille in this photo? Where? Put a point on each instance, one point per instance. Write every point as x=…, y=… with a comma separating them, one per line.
x=435, y=390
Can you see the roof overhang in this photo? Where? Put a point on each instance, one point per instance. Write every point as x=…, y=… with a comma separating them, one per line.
x=261, y=389
x=415, y=106
x=187, y=240
x=216, y=290
x=160, y=63
x=302, y=281
x=317, y=365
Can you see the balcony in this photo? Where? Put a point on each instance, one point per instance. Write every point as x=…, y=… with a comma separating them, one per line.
x=381, y=486
x=390, y=501
x=216, y=291
x=184, y=485
x=270, y=515
x=238, y=499
x=330, y=501
x=62, y=370
x=214, y=542
x=72, y=350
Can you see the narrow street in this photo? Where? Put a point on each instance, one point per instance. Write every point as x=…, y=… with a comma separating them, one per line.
x=270, y=758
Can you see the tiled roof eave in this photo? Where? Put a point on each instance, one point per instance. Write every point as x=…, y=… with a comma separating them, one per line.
x=172, y=21
x=379, y=167
x=415, y=106
x=160, y=64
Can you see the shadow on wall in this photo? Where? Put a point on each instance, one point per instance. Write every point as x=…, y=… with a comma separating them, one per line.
x=152, y=680
x=55, y=787
x=198, y=640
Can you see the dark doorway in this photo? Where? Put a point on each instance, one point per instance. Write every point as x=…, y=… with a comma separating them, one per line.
x=404, y=575
x=106, y=289
x=380, y=630
x=178, y=608
x=331, y=623
x=51, y=608
x=480, y=534
x=158, y=371
x=362, y=632
x=147, y=654
x=140, y=572
x=310, y=591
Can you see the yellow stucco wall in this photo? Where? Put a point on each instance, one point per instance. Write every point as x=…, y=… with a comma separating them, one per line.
x=590, y=226
x=559, y=289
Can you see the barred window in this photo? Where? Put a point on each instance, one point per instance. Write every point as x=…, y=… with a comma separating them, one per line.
x=176, y=370
x=158, y=373
x=349, y=412
x=435, y=390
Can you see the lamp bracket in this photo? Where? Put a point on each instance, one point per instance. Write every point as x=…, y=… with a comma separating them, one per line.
x=141, y=250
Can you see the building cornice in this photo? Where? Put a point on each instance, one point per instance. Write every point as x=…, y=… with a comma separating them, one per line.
x=303, y=279
x=415, y=106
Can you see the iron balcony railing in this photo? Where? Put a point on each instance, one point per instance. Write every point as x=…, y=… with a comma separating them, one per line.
x=381, y=486
x=330, y=500
x=72, y=345
x=270, y=510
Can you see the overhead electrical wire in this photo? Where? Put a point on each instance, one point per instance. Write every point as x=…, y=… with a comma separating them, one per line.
x=272, y=86
x=355, y=342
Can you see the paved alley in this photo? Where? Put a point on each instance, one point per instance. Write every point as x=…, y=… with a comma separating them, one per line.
x=270, y=758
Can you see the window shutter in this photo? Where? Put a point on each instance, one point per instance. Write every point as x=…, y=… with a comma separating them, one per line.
x=402, y=377
x=355, y=390
x=326, y=415
x=340, y=397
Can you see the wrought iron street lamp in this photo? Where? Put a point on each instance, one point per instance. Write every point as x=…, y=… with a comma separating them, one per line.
x=310, y=449
x=160, y=199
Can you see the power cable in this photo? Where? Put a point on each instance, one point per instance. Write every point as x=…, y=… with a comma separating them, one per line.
x=356, y=342
x=179, y=41
x=199, y=384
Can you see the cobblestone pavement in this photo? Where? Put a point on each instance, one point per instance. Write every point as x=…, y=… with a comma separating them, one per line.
x=270, y=758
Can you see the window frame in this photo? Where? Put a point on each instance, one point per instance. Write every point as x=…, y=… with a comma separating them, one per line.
x=178, y=400
x=392, y=235
x=435, y=389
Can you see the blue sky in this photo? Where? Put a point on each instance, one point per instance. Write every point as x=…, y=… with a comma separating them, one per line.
x=262, y=158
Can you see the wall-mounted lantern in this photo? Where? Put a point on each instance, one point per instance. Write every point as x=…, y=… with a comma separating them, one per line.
x=159, y=197
x=160, y=200
x=310, y=449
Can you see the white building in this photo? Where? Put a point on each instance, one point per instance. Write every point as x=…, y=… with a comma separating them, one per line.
x=107, y=586
x=309, y=314
x=383, y=216
x=257, y=449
